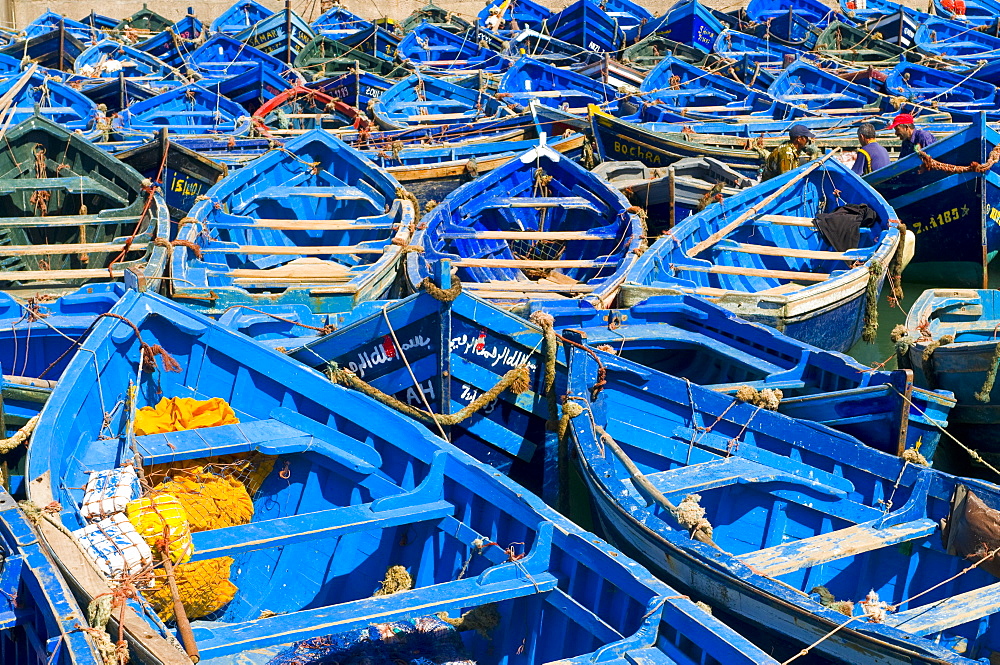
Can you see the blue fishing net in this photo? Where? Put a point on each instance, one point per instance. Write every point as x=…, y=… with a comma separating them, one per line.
x=423, y=641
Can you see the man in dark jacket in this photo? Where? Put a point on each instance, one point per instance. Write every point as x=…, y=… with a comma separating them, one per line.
x=909, y=136
x=786, y=156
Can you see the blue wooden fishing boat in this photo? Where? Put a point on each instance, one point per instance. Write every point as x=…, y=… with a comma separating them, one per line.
x=529, y=79
x=949, y=196
x=73, y=214
x=37, y=340
x=175, y=43
x=31, y=92
x=797, y=529
x=823, y=92
x=400, y=535
x=190, y=109
x=299, y=109
x=538, y=227
x=42, y=620
x=241, y=15
x=359, y=89
x=760, y=255
x=517, y=15
x=632, y=18
x=433, y=48
x=421, y=100
x=688, y=89
x=549, y=50
x=795, y=23
x=897, y=24
x=116, y=93
x=433, y=172
x=695, y=340
x=950, y=343
x=99, y=22
x=338, y=23
x=222, y=57
x=108, y=58
x=757, y=61
x=55, y=49
x=282, y=34
x=375, y=40
x=313, y=223
x=688, y=22
x=49, y=21
x=586, y=24
x=942, y=88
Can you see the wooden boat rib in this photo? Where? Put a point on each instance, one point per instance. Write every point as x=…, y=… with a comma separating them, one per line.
x=357, y=500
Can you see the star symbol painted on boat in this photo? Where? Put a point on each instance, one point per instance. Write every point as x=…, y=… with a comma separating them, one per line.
x=965, y=210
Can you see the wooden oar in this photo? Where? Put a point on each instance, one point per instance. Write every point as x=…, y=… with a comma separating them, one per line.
x=729, y=228
x=180, y=614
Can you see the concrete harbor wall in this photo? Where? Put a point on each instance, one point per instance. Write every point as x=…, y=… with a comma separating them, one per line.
x=18, y=13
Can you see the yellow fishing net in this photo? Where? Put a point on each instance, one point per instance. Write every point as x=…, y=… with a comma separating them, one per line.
x=173, y=414
x=211, y=494
x=154, y=515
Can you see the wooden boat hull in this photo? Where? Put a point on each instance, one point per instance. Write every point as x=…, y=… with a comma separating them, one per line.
x=828, y=313
x=323, y=563
x=764, y=571
x=186, y=174
x=963, y=365
x=953, y=215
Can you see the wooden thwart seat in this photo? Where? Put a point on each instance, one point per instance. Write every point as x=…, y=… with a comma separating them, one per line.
x=948, y=613
x=58, y=275
x=756, y=272
x=790, y=252
x=857, y=539
x=63, y=220
x=529, y=235
x=785, y=220
x=563, y=202
x=286, y=250
x=534, y=263
x=518, y=286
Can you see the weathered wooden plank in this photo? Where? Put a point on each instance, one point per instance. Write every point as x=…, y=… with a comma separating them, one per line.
x=447, y=597
x=790, y=252
x=58, y=275
x=315, y=225
x=948, y=613
x=68, y=248
x=528, y=287
x=533, y=263
x=63, y=220
x=755, y=272
x=278, y=532
x=853, y=540
x=786, y=220
x=284, y=250
x=529, y=235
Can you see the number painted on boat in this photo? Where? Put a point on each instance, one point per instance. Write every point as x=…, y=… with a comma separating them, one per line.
x=940, y=219
x=413, y=398
x=594, y=47
x=185, y=187
x=993, y=213
x=373, y=92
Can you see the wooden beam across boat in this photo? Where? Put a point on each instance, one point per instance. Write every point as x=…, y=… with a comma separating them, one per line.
x=314, y=225
x=528, y=287
x=753, y=210
x=529, y=235
x=533, y=263
x=790, y=252
x=63, y=220
x=755, y=272
x=58, y=275
x=291, y=250
x=786, y=220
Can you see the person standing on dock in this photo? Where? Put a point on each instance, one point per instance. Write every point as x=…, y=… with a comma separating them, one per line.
x=910, y=137
x=786, y=156
x=871, y=155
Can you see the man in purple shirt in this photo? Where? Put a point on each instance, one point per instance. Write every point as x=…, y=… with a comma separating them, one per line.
x=910, y=137
x=871, y=155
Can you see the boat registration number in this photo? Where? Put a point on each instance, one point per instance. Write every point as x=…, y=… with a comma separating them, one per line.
x=945, y=217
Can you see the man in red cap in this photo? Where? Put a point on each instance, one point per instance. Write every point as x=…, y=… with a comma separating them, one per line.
x=910, y=137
